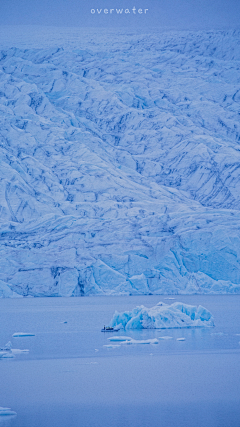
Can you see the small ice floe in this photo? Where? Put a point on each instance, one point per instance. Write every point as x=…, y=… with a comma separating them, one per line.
x=64, y=322
x=119, y=338
x=149, y=341
x=96, y=349
x=22, y=334
x=6, y=355
x=169, y=298
x=165, y=338
x=112, y=345
x=6, y=411
x=19, y=351
x=181, y=339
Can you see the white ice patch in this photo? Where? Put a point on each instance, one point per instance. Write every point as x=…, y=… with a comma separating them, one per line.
x=22, y=334
x=112, y=345
x=19, y=351
x=120, y=338
x=181, y=339
x=163, y=316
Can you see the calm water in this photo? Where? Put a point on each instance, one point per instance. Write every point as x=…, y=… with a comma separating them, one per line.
x=69, y=378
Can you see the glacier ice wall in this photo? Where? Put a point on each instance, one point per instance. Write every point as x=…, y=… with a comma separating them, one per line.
x=120, y=159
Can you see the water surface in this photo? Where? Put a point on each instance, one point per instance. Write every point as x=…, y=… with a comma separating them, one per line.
x=69, y=378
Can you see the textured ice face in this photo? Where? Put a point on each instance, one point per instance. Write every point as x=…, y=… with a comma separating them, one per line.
x=176, y=315
x=119, y=165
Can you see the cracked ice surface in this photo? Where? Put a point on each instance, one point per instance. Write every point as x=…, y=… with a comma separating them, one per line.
x=119, y=163
x=176, y=315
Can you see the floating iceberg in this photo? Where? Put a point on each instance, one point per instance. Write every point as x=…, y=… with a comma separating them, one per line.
x=163, y=316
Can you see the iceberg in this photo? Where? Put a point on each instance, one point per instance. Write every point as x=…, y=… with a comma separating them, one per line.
x=163, y=316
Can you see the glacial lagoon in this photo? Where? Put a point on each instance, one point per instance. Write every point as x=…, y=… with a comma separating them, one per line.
x=70, y=378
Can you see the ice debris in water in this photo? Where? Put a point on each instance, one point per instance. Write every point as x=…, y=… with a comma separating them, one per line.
x=149, y=341
x=111, y=345
x=6, y=411
x=22, y=334
x=163, y=316
x=181, y=339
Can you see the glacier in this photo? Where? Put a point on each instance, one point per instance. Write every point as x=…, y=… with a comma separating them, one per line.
x=120, y=162
x=163, y=316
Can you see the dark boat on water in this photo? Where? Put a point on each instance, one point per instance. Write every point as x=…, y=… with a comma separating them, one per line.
x=109, y=329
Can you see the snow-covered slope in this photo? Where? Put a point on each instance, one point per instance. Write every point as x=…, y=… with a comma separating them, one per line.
x=120, y=163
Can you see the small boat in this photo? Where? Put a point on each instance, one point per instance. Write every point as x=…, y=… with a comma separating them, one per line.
x=109, y=329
